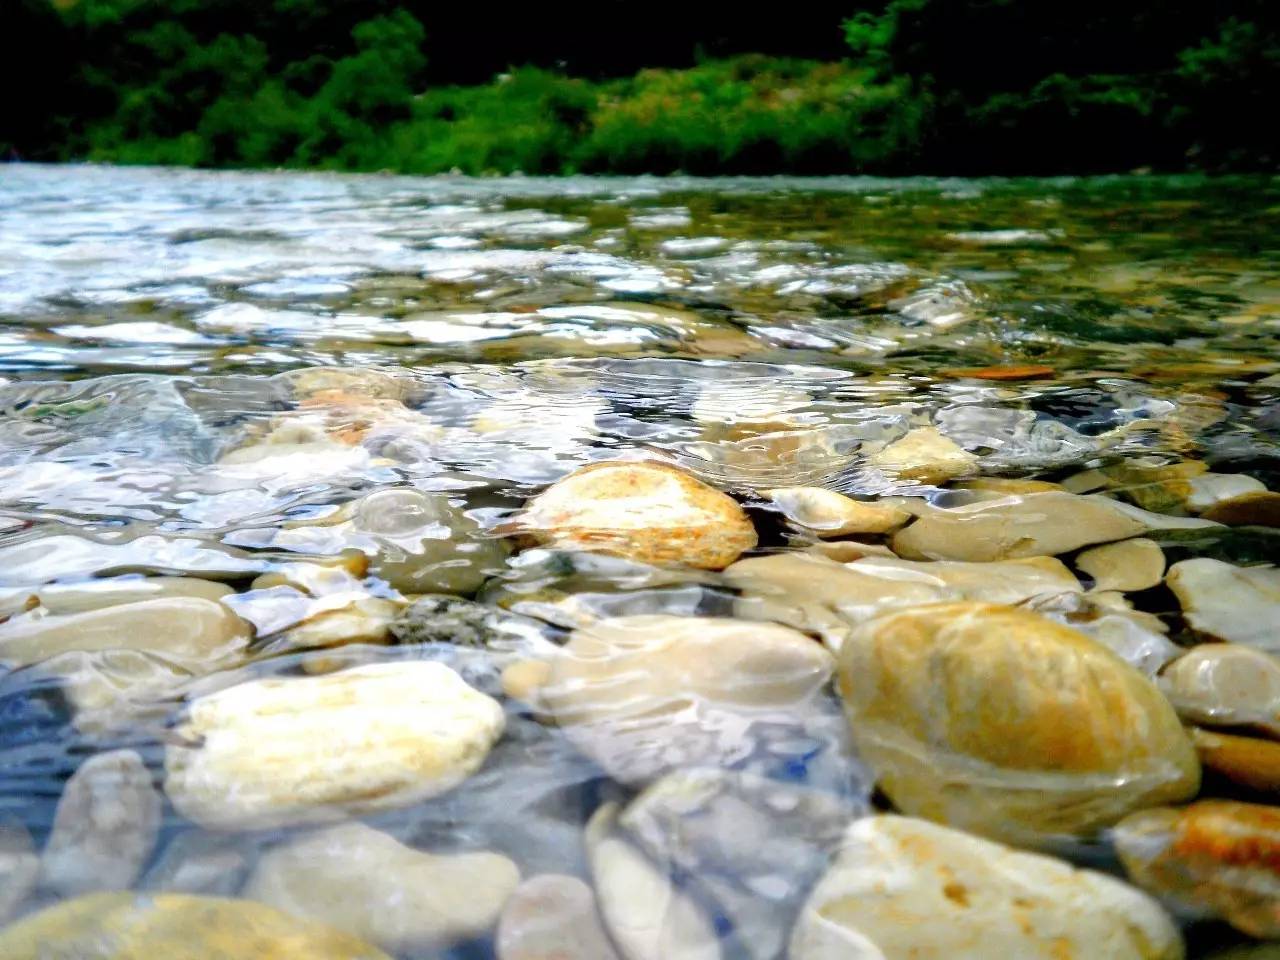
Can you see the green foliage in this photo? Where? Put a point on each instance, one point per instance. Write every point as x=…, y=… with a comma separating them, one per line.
x=749, y=115
x=934, y=86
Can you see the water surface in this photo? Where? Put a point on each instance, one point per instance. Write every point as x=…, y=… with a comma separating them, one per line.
x=755, y=331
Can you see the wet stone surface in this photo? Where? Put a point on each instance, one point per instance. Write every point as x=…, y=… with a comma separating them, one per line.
x=617, y=569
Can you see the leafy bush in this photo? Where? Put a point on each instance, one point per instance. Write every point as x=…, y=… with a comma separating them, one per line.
x=930, y=86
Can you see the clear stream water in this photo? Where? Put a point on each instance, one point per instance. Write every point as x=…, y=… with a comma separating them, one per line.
x=152, y=321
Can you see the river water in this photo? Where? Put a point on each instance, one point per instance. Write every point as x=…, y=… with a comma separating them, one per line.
x=479, y=340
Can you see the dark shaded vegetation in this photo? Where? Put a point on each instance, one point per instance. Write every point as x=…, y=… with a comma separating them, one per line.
x=900, y=86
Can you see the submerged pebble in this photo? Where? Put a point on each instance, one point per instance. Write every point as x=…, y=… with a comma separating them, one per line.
x=1225, y=684
x=643, y=695
x=1033, y=525
x=105, y=826
x=901, y=887
x=199, y=862
x=925, y=455
x=647, y=916
x=750, y=845
x=1252, y=762
x=642, y=510
x=369, y=884
x=831, y=514
x=124, y=926
x=1002, y=722
x=1215, y=857
x=1136, y=564
x=1226, y=602
x=305, y=750
x=188, y=631
x=820, y=595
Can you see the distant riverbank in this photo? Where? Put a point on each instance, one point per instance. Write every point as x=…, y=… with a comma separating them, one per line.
x=924, y=87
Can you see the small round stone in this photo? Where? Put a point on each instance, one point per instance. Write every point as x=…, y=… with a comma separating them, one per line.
x=105, y=826
x=644, y=511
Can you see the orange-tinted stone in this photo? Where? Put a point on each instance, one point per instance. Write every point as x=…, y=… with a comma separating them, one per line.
x=1029, y=371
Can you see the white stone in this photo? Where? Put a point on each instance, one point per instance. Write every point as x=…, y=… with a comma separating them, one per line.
x=1238, y=604
x=105, y=826
x=906, y=888
x=1225, y=684
x=1212, y=488
x=369, y=884
x=63, y=598
x=311, y=749
x=188, y=631
x=647, y=917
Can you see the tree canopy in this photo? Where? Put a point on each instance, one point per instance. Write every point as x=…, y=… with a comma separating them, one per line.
x=896, y=86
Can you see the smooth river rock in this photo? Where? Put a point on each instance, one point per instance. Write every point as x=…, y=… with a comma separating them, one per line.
x=647, y=917
x=105, y=826
x=1226, y=602
x=645, y=511
x=311, y=749
x=369, y=884
x=63, y=556
x=1260, y=509
x=189, y=631
x=819, y=595
x=751, y=845
x=1225, y=684
x=124, y=926
x=925, y=455
x=553, y=917
x=827, y=513
x=1032, y=525
x=767, y=833
x=902, y=888
x=114, y=690
x=645, y=694
x=1005, y=723
x=1128, y=565
x=62, y=598
x=1252, y=762
x=1215, y=857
